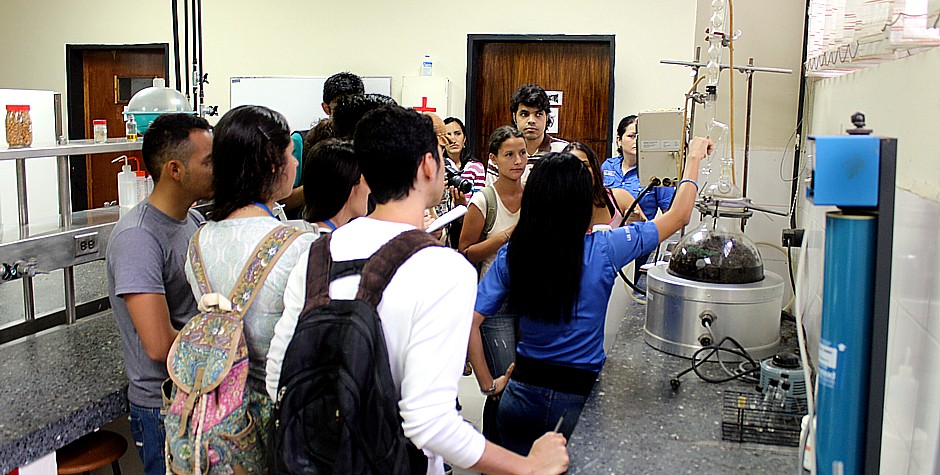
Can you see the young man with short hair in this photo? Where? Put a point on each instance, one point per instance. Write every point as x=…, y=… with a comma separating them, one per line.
x=335, y=87
x=147, y=286
x=530, y=109
x=426, y=309
x=339, y=85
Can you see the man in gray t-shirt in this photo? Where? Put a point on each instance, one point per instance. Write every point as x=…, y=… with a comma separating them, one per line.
x=147, y=286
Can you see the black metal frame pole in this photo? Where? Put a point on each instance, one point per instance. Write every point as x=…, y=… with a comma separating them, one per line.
x=881, y=303
x=176, y=44
x=186, y=48
x=195, y=68
x=202, y=82
x=797, y=148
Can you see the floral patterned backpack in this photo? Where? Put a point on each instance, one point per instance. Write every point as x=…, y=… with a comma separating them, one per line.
x=215, y=424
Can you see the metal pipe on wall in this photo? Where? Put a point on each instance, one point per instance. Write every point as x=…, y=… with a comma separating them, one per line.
x=186, y=48
x=198, y=37
x=65, y=212
x=747, y=124
x=195, y=56
x=176, y=43
x=29, y=307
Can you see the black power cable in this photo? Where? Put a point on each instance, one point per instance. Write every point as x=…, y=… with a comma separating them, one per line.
x=713, y=350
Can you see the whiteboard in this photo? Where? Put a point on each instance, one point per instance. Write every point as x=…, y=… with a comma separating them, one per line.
x=298, y=98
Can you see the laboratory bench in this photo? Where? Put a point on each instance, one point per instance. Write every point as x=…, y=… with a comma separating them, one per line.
x=634, y=422
x=58, y=385
x=67, y=381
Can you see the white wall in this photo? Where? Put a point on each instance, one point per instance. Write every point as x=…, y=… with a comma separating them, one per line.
x=896, y=104
x=296, y=37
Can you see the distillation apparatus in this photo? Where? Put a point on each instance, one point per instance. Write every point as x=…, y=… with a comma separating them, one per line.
x=714, y=284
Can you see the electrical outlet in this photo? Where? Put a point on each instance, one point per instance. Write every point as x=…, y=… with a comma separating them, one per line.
x=86, y=244
x=792, y=237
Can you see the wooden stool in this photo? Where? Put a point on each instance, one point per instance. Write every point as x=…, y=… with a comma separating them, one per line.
x=91, y=451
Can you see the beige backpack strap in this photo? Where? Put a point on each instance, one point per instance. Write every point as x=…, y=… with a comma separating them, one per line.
x=197, y=264
x=263, y=259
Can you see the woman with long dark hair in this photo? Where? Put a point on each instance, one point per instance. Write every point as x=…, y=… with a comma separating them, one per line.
x=559, y=279
x=253, y=166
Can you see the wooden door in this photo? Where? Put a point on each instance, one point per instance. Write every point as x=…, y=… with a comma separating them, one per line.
x=580, y=67
x=109, y=78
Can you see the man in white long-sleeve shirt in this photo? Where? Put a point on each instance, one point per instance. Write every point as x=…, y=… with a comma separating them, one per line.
x=426, y=310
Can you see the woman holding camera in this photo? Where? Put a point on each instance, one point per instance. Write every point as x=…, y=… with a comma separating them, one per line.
x=458, y=152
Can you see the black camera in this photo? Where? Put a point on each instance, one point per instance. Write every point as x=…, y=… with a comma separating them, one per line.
x=454, y=179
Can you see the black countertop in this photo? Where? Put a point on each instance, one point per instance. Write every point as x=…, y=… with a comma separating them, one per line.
x=57, y=386
x=635, y=423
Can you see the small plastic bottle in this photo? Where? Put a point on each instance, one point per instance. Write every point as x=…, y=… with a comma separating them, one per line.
x=100, y=127
x=426, y=65
x=130, y=128
x=127, y=185
x=141, y=185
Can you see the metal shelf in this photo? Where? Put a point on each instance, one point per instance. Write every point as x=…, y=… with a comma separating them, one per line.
x=78, y=238
x=51, y=247
x=73, y=147
x=50, y=225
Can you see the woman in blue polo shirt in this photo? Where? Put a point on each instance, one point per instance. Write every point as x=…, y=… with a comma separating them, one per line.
x=559, y=279
x=620, y=172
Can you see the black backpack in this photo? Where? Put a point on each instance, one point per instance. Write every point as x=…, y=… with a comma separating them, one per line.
x=337, y=409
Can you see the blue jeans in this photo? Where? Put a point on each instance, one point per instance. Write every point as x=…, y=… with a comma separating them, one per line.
x=149, y=437
x=526, y=412
x=499, y=341
x=499, y=348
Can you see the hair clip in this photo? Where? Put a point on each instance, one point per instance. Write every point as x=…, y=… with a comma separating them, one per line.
x=263, y=132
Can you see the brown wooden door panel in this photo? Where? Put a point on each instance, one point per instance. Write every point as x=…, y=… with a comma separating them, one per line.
x=100, y=67
x=580, y=69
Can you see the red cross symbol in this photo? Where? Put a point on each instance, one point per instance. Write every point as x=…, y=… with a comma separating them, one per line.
x=424, y=106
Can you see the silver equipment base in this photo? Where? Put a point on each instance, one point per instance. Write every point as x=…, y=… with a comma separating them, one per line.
x=676, y=307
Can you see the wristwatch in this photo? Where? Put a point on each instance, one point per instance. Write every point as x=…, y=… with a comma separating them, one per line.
x=491, y=391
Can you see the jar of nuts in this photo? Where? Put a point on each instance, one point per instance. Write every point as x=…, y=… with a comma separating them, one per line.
x=19, y=126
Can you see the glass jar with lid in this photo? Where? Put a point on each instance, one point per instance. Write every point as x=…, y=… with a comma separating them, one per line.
x=100, y=130
x=19, y=126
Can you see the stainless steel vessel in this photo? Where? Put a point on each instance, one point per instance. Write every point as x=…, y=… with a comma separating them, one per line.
x=677, y=309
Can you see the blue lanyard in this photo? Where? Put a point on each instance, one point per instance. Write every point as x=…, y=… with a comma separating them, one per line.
x=265, y=207
x=330, y=224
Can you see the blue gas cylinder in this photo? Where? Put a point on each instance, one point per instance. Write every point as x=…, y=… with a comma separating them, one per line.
x=845, y=341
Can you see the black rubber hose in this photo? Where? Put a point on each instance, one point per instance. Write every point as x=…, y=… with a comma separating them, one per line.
x=636, y=201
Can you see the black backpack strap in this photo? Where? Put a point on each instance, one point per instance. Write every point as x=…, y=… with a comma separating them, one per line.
x=346, y=268
x=385, y=262
x=319, y=263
